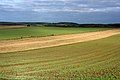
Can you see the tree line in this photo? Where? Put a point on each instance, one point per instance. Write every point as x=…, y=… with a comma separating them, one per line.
x=61, y=24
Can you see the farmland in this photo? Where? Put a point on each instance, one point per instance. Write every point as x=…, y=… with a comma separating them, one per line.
x=59, y=39
x=19, y=33
x=91, y=60
x=51, y=41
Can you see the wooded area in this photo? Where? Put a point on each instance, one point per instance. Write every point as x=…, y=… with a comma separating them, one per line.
x=60, y=24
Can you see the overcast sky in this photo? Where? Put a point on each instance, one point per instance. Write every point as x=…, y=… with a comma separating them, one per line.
x=81, y=11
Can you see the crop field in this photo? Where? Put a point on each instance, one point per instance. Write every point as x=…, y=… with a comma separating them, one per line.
x=18, y=33
x=91, y=60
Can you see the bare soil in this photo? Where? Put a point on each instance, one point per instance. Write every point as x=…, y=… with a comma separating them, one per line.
x=5, y=27
x=51, y=41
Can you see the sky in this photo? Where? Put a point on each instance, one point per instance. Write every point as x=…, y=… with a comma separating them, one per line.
x=80, y=11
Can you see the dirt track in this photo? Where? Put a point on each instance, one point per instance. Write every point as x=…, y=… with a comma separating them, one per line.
x=43, y=42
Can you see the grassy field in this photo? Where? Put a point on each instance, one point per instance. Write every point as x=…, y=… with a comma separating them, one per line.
x=6, y=34
x=93, y=60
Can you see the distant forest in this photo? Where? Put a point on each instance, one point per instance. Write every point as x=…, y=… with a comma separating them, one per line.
x=60, y=24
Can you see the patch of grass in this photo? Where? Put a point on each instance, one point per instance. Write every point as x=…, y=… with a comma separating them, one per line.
x=19, y=33
x=92, y=60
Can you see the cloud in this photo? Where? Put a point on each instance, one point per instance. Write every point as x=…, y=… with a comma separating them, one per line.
x=61, y=5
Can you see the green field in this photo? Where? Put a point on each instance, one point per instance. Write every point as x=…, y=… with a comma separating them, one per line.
x=92, y=60
x=7, y=34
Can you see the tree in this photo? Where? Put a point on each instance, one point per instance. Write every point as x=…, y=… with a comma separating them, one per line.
x=28, y=25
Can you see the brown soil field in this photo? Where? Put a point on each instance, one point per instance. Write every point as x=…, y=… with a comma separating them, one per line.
x=51, y=41
x=5, y=27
